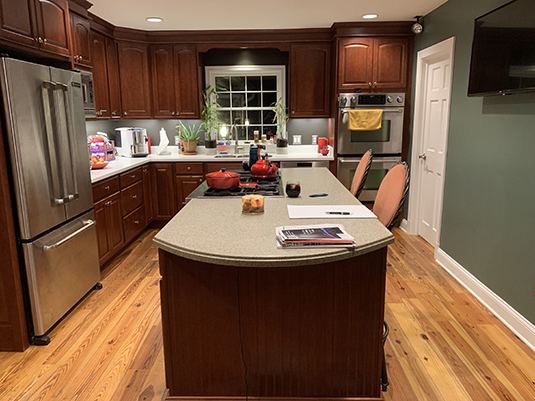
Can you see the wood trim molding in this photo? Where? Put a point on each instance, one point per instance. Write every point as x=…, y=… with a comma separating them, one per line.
x=100, y=25
x=518, y=324
x=402, y=28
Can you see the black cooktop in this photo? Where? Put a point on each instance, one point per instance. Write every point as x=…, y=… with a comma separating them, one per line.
x=265, y=187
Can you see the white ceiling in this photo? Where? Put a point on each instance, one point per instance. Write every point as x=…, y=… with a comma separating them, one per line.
x=254, y=14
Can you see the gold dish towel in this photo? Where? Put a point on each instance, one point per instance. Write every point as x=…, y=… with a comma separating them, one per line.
x=365, y=120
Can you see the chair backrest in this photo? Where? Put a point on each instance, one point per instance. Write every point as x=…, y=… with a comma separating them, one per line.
x=361, y=173
x=391, y=195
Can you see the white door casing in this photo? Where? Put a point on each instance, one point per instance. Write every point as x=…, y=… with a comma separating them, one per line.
x=430, y=133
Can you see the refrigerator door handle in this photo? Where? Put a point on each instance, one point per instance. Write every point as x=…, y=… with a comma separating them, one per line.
x=70, y=138
x=87, y=224
x=53, y=160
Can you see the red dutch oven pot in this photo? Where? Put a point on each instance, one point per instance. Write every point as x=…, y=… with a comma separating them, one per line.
x=263, y=169
x=223, y=179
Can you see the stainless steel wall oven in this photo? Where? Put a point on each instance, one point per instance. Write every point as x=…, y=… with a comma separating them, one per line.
x=386, y=142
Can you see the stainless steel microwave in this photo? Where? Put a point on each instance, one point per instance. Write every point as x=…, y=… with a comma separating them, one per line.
x=88, y=94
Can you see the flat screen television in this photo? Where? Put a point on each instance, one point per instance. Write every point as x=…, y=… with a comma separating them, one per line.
x=503, y=50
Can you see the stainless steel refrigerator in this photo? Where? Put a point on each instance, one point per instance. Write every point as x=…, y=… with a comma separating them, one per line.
x=45, y=128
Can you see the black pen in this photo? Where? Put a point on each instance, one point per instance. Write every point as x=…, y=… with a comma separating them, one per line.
x=342, y=213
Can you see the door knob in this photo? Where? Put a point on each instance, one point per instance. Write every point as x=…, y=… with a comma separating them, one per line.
x=423, y=156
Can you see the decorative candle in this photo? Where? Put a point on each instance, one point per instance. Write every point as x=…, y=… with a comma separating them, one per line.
x=252, y=204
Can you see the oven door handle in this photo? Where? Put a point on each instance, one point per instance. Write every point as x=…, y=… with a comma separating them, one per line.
x=345, y=111
x=373, y=161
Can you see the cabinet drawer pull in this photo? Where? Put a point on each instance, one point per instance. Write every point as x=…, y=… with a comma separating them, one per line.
x=107, y=187
x=134, y=196
x=133, y=176
x=136, y=221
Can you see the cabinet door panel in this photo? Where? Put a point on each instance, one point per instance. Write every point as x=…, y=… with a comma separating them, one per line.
x=103, y=241
x=54, y=25
x=355, y=63
x=185, y=185
x=113, y=78
x=309, y=80
x=390, y=62
x=81, y=40
x=115, y=227
x=134, y=77
x=163, y=201
x=17, y=21
x=163, y=78
x=186, y=81
x=100, y=75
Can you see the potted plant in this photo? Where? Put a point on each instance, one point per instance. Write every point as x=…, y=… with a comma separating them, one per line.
x=189, y=136
x=210, y=117
x=282, y=117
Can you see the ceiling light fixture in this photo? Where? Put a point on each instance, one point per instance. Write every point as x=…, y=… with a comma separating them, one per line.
x=369, y=16
x=417, y=28
x=154, y=19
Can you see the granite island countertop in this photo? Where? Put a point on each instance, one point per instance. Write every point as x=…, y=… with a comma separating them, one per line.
x=216, y=231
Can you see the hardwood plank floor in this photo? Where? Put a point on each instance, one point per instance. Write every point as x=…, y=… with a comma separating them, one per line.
x=443, y=344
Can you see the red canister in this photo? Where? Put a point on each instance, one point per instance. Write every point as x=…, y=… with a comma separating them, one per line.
x=322, y=143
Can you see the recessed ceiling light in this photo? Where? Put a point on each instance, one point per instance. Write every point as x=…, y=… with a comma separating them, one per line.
x=369, y=16
x=154, y=19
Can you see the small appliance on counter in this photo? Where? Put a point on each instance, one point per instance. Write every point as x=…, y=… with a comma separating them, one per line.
x=131, y=142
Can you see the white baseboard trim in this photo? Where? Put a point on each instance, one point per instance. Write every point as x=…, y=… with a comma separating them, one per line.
x=404, y=225
x=518, y=324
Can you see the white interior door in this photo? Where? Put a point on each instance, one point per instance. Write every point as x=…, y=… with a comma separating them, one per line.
x=432, y=112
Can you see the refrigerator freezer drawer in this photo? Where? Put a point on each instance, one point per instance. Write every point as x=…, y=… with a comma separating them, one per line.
x=61, y=268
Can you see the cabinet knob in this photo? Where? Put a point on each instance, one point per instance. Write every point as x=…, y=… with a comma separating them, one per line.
x=177, y=113
x=293, y=111
x=40, y=39
x=189, y=168
x=45, y=41
x=375, y=84
x=125, y=113
x=133, y=176
x=173, y=113
x=107, y=187
x=134, y=196
x=114, y=112
x=200, y=179
x=136, y=221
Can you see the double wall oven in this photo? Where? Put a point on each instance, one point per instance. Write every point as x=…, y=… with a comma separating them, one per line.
x=386, y=142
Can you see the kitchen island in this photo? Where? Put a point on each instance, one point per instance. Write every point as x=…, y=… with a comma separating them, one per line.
x=243, y=318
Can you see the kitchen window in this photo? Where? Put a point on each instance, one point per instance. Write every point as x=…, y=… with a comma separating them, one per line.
x=246, y=95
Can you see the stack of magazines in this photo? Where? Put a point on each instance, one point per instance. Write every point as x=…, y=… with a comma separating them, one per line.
x=314, y=236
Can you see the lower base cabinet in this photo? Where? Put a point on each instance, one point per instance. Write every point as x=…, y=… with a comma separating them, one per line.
x=186, y=184
x=109, y=227
x=134, y=223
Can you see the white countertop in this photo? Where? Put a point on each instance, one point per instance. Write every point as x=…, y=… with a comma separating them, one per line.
x=122, y=164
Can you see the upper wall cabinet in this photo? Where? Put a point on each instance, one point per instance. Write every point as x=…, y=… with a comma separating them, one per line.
x=310, y=73
x=40, y=24
x=175, y=83
x=81, y=40
x=135, y=80
x=114, y=84
x=373, y=64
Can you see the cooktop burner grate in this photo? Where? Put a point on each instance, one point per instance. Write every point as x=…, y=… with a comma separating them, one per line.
x=266, y=186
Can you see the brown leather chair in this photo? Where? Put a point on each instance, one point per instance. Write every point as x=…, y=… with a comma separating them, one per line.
x=387, y=207
x=361, y=173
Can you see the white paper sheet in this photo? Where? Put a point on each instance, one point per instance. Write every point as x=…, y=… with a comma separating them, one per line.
x=330, y=212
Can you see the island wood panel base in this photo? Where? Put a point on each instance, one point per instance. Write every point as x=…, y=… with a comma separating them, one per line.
x=308, y=332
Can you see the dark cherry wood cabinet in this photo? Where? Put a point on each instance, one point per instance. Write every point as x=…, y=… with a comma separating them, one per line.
x=185, y=185
x=109, y=227
x=175, y=82
x=13, y=332
x=147, y=194
x=100, y=75
x=135, y=80
x=18, y=22
x=42, y=24
x=114, y=84
x=163, y=191
x=81, y=40
x=373, y=64
x=310, y=77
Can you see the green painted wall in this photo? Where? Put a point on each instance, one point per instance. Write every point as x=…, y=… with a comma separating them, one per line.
x=488, y=223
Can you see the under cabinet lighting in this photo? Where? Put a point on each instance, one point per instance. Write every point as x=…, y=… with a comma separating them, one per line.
x=370, y=16
x=154, y=19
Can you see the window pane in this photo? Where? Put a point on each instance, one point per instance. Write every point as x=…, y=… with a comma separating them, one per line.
x=238, y=117
x=270, y=130
x=268, y=116
x=224, y=100
x=252, y=129
x=222, y=84
x=269, y=83
x=270, y=99
x=225, y=116
x=254, y=116
x=241, y=132
x=253, y=83
x=238, y=83
x=238, y=100
x=253, y=100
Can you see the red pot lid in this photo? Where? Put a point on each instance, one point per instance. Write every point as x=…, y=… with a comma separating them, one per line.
x=223, y=174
